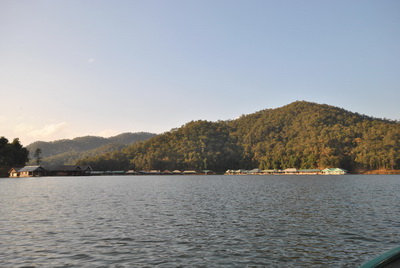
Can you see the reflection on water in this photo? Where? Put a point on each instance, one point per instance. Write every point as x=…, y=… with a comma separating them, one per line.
x=169, y=221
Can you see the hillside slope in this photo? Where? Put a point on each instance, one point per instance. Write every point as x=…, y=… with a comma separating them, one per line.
x=310, y=135
x=300, y=135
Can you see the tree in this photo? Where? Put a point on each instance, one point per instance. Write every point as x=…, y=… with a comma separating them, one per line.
x=37, y=156
x=11, y=154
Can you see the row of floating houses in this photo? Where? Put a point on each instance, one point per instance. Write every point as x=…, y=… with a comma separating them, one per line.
x=38, y=171
x=71, y=170
x=288, y=171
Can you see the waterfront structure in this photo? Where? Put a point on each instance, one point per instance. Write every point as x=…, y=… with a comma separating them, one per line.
x=189, y=172
x=254, y=171
x=86, y=170
x=334, y=171
x=28, y=171
x=131, y=172
x=149, y=172
x=14, y=172
x=114, y=172
x=62, y=170
x=67, y=170
x=288, y=171
x=96, y=173
x=269, y=171
x=309, y=171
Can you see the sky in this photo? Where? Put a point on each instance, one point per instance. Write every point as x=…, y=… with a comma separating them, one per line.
x=96, y=67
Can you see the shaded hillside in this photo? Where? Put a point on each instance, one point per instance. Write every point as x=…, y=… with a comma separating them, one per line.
x=301, y=135
x=68, y=151
x=71, y=157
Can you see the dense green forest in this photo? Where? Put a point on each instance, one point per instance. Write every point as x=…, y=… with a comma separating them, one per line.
x=300, y=135
x=67, y=151
x=199, y=145
x=11, y=154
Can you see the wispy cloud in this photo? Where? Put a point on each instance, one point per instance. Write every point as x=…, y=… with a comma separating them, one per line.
x=91, y=60
x=46, y=133
x=108, y=133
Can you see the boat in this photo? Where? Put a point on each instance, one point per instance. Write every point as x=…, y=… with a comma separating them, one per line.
x=390, y=259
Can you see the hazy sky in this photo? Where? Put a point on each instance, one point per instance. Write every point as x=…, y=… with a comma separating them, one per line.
x=72, y=68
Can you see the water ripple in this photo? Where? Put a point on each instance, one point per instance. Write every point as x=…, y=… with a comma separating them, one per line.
x=218, y=221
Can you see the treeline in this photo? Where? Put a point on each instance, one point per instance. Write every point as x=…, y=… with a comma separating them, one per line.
x=300, y=135
x=11, y=154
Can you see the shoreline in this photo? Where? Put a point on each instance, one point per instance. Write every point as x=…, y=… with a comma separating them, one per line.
x=380, y=172
x=359, y=172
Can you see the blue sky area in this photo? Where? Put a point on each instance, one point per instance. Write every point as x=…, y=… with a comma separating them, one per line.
x=74, y=68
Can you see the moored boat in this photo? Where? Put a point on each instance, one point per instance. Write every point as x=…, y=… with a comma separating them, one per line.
x=390, y=259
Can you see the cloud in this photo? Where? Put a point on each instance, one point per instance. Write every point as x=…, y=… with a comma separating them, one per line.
x=29, y=133
x=91, y=60
x=108, y=133
x=45, y=133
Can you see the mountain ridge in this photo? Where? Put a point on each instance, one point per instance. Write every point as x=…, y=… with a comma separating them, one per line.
x=67, y=151
x=301, y=134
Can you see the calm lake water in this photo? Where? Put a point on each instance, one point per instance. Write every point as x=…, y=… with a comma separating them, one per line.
x=198, y=221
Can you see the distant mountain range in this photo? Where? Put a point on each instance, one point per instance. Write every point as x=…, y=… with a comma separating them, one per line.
x=68, y=151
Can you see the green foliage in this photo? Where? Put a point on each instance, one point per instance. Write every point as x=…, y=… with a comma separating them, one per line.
x=11, y=154
x=38, y=156
x=301, y=135
x=309, y=135
x=198, y=145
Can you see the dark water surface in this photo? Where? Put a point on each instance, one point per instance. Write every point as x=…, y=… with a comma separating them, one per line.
x=198, y=221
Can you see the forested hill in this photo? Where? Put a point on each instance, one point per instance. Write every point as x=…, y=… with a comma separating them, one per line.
x=310, y=135
x=67, y=151
x=301, y=135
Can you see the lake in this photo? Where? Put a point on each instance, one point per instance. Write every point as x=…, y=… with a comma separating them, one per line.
x=198, y=221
